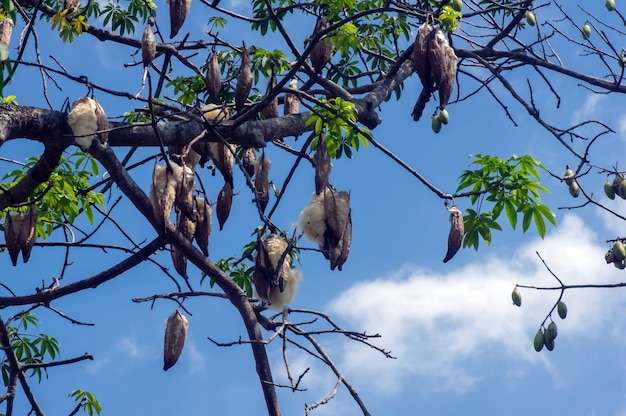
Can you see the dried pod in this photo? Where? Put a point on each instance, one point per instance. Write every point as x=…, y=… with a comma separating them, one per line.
x=338, y=235
x=83, y=121
x=184, y=192
x=212, y=77
x=244, y=81
x=12, y=227
x=320, y=54
x=271, y=109
x=561, y=309
x=179, y=261
x=148, y=44
x=224, y=203
x=517, y=297
x=291, y=104
x=312, y=219
x=261, y=181
x=204, y=214
x=71, y=6
x=322, y=164
x=175, y=337
x=28, y=231
x=609, y=256
x=271, y=266
x=422, y=67
x=102, y=123
x=223, y=159
x=443, y=63
x=163, y=191
x=6, y=30
x=187, y=227
x=455, y=237
x=178, y=12
x=279, y=299
x=248, y=160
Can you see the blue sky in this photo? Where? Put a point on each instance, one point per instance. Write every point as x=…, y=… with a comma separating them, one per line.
x=460, y=345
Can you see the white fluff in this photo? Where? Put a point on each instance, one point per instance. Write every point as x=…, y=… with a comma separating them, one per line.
x=163, y=189
x=288, y=295
x=275, y=247
x=83, y=121
x=313, y=219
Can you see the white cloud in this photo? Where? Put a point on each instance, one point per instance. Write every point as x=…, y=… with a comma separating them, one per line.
x=447, y=328
x=589, y=109
x=197, y=358
x=130, y=347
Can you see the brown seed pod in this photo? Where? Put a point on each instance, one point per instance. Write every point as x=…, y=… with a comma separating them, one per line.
x=455, y=237
x=187, y=227
x=224, y=160
x=320, y=54
x=271, y=109
x=212, y=77
x=224, y=203
x=12, y=227
x=178, y=13
x=204, y=214
x=338, y=235
x=148, y=44
x=261, y=181
x=248, y=160
x=163, y=192
x=322, y=165
x=175, y=337
x=422, y=67
x=184, y=192
x=291, y=104
x=271, y=266
x=28, y=231
x=6, y=30
x=244, y=81
x=443, y=62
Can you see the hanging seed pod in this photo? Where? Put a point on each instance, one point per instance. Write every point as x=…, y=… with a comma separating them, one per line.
x=271, y=266
x=178, y=13
x=443, y=63
x=322, y=164
x=102, y=123
x=148, y=44
x=224, y=203
x=244, y=81
x=163, y=192
x=223, y=159
x=212, y=77
x=271, y=109
x=28, y=232
x=204, y=214
x=6, y=30
x=281, y=299
x=175, y=337
x=320, y=54
x=538, y=341
x=455, y=237
x=312, y=219
x=561, y=308
x=12, y=227
x=517, y=297
x=422, y=67
x=291, y=104
x=261, y=181
x=338, y=235
x=187, y=227
x=83, y=120
x=248, y=160
x=184, y=192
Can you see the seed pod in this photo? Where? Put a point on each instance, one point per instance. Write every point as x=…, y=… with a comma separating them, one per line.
x=619, y=250
x=71, y=6
x=538, y=341
x=224, y=203
x=530, y=18
x=175, y=336
x=28, y=231
x=621, y=190
x=204, y=214
x=320, y=54
x=457, y=5
x=443, y=65
x=436, y=124
x=619, y=264
x=248, y=160
x=291, y=104
x=271, y=109
x=163, y=192
x=6, y=30
x=444, y=117
x=568, y=176
x=322, y=165
x=83, y=120
x=548, y=341
x=455, y=237
x=271, y=266
x=517, y=297
x=178, y=13
x=148, y=44
x=552, y=330
x=223, y=159
x=610, y=257
x=338, y=235
x=184, y=192
x=610, y=5
x=244, y=81
x=608, y=190
x=574, y=189
x=187, y=227
x=561, y=309
x=586, y=31
x=212, y=77
x=261, y=181
x=312, y=219
x=12, y=227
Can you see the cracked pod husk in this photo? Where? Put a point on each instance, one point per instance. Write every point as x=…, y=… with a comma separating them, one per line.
x=271, y=109
x=28, y=231
x=320, y=54
x=12, y=227
x=248, y=160
x=443, y=63
x=148, y=44
x=291, y=104
x=261, y=181
x=338, y=235
x=175, y=337
x=271, y=266
x=322, y=165
x=244, y=81
x=163, y=192
x=224, y=203
x=212, y=77
x=187, y=227
x=455, y=236
x=178, y=13
x=204, y=214
x=6, y=30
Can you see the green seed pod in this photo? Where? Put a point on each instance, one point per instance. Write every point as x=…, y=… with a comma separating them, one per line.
x=586, y=30
x=436, y=124
x=619, y=250
x=549, y=342
x=621, y=190
x=530, y=18
x=561, y=309
x=517, y=297
x=457, y=5
x=538, y=341
x=608, y=190
x=552, y=330
x=610, y=5
x=444, y=117
x=620, y=264
x=568, y=176
x=574, y=190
